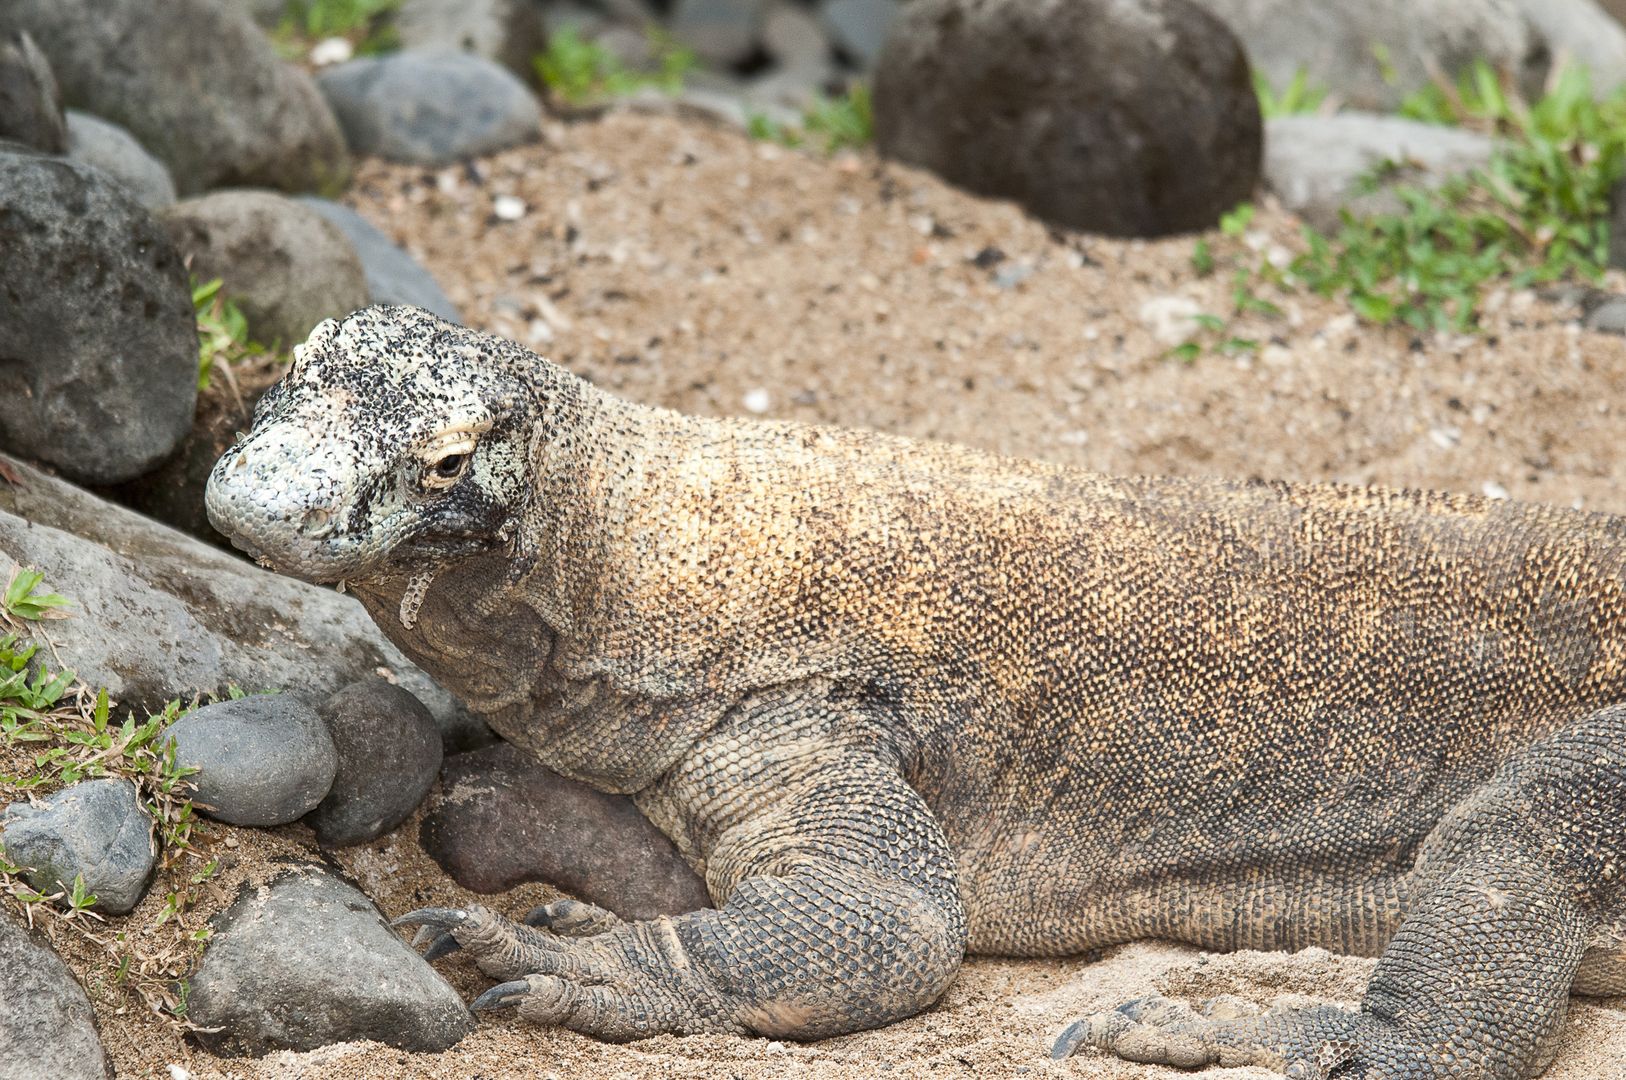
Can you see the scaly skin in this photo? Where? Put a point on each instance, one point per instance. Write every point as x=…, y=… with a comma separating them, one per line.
x=896, y=701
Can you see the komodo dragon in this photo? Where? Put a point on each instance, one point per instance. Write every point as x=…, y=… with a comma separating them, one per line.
x=897, y=701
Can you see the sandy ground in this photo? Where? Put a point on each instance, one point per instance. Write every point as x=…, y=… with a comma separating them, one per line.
x=687, y=266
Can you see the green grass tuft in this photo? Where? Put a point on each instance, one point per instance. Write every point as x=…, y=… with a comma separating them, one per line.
x=846, y=122
x=582, y=72
x=1538, y=213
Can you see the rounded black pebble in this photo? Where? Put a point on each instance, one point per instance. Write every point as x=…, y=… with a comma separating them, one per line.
x=1122, y=117
x=389, y=755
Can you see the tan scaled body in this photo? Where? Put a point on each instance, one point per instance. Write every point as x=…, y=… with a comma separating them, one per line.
x=898, y=700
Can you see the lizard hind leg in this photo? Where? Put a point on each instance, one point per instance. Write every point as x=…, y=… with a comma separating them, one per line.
x=1511, y=891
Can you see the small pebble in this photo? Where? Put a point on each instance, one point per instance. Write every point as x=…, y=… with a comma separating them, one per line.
x=333, y=50
x=508, y=207
x=757, y=401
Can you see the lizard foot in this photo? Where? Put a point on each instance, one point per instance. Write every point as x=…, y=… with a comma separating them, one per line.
x=1322, y=1043
x=588, y=970
x=564, y=918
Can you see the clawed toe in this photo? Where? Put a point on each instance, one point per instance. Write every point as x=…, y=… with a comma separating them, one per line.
x=432, y=918
x=572, y=918
x=444, y=945
x=502, y=996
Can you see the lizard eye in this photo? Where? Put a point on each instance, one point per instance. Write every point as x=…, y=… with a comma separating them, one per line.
x=444, y=472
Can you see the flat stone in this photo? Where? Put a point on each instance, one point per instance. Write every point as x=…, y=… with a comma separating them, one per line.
x=1122, y=117
x=159, y=615
x=501, y=819
x=431, y=106
x=262, y=760
x=113, y=150
x=94, y=830
x=1337, y=45
x=393, y=276
x=306, y=961
x=389, y=756
x=97, y=331
x=240, y=116
x=286, y=266
x=1318, y=165
x=47, y=1025
x=30, y=102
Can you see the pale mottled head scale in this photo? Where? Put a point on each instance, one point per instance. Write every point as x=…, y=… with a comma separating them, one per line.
x=395, y=442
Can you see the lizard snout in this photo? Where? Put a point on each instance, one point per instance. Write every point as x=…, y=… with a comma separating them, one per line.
x=282, y=501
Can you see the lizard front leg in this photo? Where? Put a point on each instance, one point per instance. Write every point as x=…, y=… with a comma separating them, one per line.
x=838, y=904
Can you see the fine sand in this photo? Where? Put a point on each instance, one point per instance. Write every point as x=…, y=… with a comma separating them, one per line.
x=684, y=265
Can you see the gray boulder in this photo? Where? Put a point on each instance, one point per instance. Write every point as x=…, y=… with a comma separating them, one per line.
x=431, y=106
x=1372, y=54
x=1581, y=32
x=1125, y=117
x=793, y=37
x=47, y=1028
x=721, y=32
x=1318, y=165
x=281, y=261
x=30, y=103
x=158, y=615
x=306, y=961
x=860, y=26
x=262, y=760
x=389, y=757
x=97, y=332
x=393, y=276
x=95, y=830
x=501, y=819
x=240, y=116
x=511, y=32
x=113, y=150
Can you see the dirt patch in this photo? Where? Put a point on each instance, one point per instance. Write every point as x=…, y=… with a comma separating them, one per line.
x=686, y=266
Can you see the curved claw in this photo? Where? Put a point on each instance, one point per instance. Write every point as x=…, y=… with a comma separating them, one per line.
x=441, y=918
x=444, y=945
x=1069, y=1041
x=501, y=996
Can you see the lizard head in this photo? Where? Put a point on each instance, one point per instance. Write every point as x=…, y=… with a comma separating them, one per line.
x=396, y=442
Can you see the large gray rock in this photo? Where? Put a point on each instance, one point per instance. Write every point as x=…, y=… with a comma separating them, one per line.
x=158, y=615
x=197, y=83
x=393, y=276
x=47, y=1028
x=1581, y=32
x=261, y=760
x=306, y=961
x=30, y=102
x=1320, y=165
x=389, y=755
x=94, y=830
x=283, y=263
x=113, y=150
x=510, y=32
x=1125, y=117
x=431, y=106
x=501, y=819
x=1339, y=45
x=97, y=332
